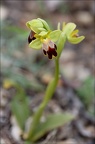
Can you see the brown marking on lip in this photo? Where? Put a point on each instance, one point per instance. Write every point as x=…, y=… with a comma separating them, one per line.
x=52, y=52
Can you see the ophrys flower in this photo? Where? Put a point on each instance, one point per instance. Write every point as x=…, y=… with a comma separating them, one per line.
x=42, y=37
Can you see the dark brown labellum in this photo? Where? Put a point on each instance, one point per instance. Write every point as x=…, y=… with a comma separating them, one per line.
x=51, y=52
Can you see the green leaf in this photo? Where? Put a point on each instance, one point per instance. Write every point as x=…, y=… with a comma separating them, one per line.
x=53, y=121
x=35, y=44
x=20, y=108
x=54, y=35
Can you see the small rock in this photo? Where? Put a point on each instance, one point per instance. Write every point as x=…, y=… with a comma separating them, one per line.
x=67, y=55
x=75, y=71
x=15, y=130
x=84, y=18
x=4, y=12
x=54, y=107
x=91, y=130
x=82, y=72
x=86, y=131
x=46, y=78
x=2, y=141
x=68, y=70
x=52, y=5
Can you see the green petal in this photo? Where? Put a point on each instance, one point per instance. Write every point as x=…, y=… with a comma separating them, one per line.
x=54, y=35
x=68, y=28
x=76, y=40
x=36, y=44
x=46, y=26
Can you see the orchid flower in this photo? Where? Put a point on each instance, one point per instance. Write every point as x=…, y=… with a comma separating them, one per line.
x=42, y=37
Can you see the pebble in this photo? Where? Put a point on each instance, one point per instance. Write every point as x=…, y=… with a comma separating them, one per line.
x=67, y=55
x=2, y=141
x=75, y=71
x=82, y=72
x=4, y=12
x=69, y=70
x=46, y=78
x=84, y=18
x=15, y=130
x=52, y=5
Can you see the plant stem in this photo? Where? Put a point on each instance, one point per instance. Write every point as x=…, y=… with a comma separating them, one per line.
x=49, y=93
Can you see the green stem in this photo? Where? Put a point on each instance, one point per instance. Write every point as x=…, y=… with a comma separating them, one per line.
x=49, y=93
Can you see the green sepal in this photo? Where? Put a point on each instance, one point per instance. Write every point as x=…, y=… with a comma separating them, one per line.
x=68, y=28
x=36, y=44
x=54, y=35
x=46, y=26
x=75, y=40
x=34, y=25
x=41, y=29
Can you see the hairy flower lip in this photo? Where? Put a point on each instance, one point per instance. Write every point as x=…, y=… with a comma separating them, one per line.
x=49, y=48
x=50, y=52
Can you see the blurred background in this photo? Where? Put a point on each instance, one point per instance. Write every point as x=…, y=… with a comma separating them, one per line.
x=32, y=71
